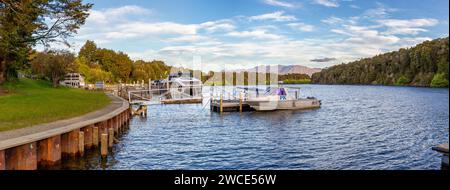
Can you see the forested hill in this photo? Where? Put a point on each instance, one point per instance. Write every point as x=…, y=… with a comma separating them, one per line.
x=426, y=64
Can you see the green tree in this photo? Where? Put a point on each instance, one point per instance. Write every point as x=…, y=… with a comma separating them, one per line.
x=89, y=52
x=26, y=23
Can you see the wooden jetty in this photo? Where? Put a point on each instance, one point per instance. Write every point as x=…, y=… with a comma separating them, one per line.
x=443, y=148
x=230, y=106
x=183, y=101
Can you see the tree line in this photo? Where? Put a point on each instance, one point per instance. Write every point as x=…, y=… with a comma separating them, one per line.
x=100, y=64
x=426, y=64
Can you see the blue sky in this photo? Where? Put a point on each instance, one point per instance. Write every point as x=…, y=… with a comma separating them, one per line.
x=236, y=34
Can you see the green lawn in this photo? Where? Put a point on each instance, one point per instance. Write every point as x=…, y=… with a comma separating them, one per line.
x=31, y=102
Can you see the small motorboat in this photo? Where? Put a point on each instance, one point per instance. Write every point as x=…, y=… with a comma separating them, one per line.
x=269, y=102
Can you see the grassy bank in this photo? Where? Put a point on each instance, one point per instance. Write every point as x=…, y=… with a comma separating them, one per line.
x=30, y=102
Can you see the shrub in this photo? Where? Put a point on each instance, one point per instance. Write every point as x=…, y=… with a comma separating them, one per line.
x=439, y=80
x=402, y=80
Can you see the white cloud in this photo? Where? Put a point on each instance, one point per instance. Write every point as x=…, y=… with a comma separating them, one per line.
x=220, y=25
x=188, y=38
x=141, y=29
x=301, y=27
x=281, y=3
x=255, y=34
x=327, y=3
x=380, y=11
x=113, y=14
x=333, y=20
x=276, y=16
x=411, y=26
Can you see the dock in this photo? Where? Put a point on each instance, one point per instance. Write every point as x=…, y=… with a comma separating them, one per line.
x=230, y=106
x=182, y=101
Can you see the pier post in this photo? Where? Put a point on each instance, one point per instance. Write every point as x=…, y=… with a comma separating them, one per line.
x=116, y=125
x=221, y=103
x=103, y=129
x=119, y=123
x=111, y=137
x=22, y=157
x=49, y=151
x=104, y=145
x=95, y=136
x=88, y=136
x=2, y=160
x=69, y=143
x=81, y=143
x=240, y=102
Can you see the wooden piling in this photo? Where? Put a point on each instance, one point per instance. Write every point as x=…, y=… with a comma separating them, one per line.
x=22, y=157
x=116, y=126
x=240, y=102
x=2, y=160
x=81, y=143
x=221, y=103
x=104, y=145
x=69, y=143
x=49, y=151
x=95, y=136
x=88, y=136
x=103, y=129
x=110, y=137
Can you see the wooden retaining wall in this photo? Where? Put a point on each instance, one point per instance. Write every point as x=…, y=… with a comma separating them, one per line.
x=48, y=147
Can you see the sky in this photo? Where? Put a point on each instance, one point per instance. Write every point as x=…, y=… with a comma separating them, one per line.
x=238, y=34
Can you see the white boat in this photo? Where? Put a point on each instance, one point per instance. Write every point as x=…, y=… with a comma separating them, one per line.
x=274, y=102
x=180, y=86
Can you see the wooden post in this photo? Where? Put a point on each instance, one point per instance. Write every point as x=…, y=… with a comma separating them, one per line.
x=22, y=157
x=69, y=143
x=95, y=136
x=2, y=160
x=240, y=102
x=49, y=151
x=116, y=125
x=104, y=145
x=81, y=143
x=103, y=128
x=111, y=137
x=88, y=134
x=221, y=103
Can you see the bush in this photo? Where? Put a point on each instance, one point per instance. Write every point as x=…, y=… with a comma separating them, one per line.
x=402, y=80
x=439, y=80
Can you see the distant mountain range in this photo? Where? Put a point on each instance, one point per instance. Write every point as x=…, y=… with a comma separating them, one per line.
x=284, y=69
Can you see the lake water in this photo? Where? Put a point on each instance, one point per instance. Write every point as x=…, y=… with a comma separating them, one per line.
x=357, y=127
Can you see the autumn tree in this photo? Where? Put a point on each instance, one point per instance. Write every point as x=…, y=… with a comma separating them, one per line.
x=53, y=65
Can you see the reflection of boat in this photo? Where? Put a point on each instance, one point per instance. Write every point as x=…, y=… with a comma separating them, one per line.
x=271, y=101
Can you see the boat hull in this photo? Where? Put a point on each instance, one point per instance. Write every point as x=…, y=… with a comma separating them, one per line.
x=284, y=104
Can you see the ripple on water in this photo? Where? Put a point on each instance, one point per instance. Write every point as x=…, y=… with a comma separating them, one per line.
x=358, y=127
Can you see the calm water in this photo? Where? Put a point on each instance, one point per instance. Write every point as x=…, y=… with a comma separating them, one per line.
x=358, y=127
